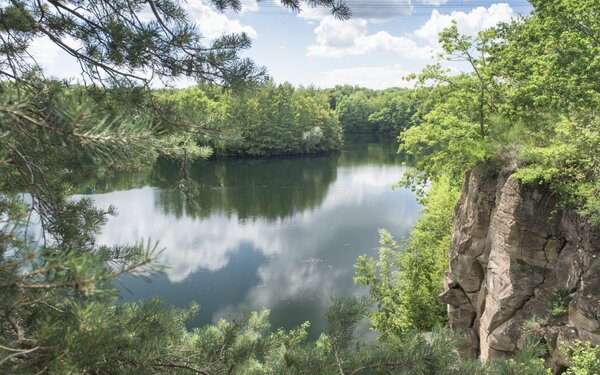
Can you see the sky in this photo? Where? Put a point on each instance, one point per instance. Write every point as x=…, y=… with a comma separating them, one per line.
x=383, y=41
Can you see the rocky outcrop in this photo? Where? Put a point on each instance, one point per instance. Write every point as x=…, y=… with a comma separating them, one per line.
x=519, y=263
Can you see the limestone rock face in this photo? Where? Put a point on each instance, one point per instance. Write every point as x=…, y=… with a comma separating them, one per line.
x=518, y=262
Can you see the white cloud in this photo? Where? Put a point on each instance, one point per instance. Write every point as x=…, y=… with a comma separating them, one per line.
x=340, y=34
x=336, y=38
x=249, y=6
x=55, y=61
x=192, y=244
x=380, y=77
x=469, y=23
x=313, y=13
x=44, y=50
x=213, y=24
x=435, y=2
x=209, y=20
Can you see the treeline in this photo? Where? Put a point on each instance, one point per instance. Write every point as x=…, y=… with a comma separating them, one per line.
x=260, y=120
x=264, y=119
x=362, y=110
x=271, y=119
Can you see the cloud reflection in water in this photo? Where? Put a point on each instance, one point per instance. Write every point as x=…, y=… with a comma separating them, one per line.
x=292, y=265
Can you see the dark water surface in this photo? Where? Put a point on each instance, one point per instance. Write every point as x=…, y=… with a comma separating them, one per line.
x=279, y=233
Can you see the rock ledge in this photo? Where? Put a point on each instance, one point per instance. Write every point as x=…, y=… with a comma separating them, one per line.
x=518, y=263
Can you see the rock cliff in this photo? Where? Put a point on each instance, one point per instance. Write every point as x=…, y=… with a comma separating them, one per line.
x=520, y=264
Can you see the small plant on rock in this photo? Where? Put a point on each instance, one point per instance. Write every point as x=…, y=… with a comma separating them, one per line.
x=584, y=359
x=532, y=327
x=558, y=301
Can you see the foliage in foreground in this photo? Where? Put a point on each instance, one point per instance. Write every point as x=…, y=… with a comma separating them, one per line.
x=405, y=280
x=60, y=316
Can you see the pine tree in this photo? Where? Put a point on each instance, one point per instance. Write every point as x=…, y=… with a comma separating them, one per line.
x=57, y=305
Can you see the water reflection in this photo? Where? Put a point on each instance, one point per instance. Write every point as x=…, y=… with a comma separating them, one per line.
x=279, y=233
x=268, y=188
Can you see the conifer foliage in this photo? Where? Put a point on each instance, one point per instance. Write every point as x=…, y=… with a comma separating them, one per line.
x=58, y=311
x=129, y=40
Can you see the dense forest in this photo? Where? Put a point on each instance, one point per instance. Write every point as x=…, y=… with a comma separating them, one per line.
x=262, y=120
x=361, y=110
x=530, y=103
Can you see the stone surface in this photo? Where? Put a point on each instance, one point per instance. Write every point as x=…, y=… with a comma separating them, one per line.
x=461, y=316
x=454, y=297
x=512, y=250
x=583, y=314
x=469, y=271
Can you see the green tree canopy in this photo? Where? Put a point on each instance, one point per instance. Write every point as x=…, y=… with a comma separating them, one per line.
x=530, y=103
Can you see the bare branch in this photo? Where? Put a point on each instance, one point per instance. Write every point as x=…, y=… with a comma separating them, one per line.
x=14, y=350
x=18, y=354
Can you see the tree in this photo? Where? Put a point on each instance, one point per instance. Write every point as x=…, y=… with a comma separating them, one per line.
x=535, y=83
x=556, y=81
x=406, y=278
x=395, y=109
x=354, y=111
x=472, y=50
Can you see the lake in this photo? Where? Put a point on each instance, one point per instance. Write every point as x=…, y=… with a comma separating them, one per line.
x=281, y=233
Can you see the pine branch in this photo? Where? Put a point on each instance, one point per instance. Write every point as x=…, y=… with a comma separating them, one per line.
x=39, y=302
x=83, y=57
x=338, y=362
x=77, y=283
x=17, y=329
x=83, y=136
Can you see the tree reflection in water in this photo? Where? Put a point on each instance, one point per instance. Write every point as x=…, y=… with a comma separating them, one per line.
x=281, y=233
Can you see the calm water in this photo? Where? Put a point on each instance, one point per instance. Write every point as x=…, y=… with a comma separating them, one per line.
x=280, y=233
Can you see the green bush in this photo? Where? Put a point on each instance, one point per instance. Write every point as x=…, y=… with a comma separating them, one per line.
x=558, y=301
x=584, y=359
x=405, y=280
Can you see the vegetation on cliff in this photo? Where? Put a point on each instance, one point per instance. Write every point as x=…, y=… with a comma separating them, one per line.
x=530, y=104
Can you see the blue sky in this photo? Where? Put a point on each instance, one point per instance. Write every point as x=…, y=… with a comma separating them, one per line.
x=381, y=43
